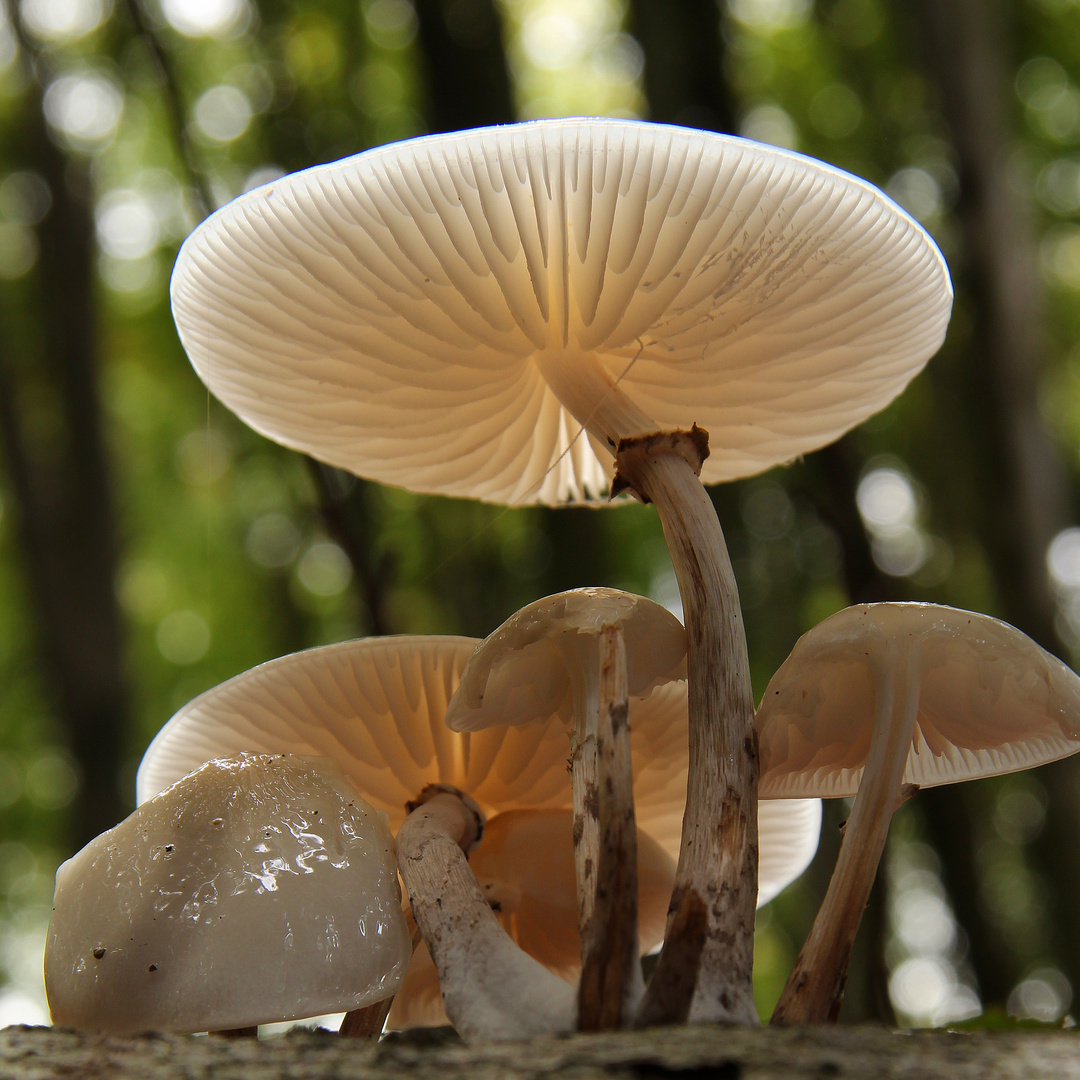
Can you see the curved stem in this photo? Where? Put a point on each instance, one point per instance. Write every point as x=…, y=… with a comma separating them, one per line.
x=490, y=988
x=815, y=987
x=611, y=981
x=715, y=893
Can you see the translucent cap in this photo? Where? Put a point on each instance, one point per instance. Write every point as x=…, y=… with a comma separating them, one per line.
x=526, y=670
x=990, y=700
x=375, y=708
x=399, y=313
x=255, y=890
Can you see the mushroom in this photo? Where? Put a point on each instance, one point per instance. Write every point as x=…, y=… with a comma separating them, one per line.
x=256, y=889
x=490, y=987
x=525, y=868
x=580, y=655
x=502, y=313
x=376, y=706
x=878, y=701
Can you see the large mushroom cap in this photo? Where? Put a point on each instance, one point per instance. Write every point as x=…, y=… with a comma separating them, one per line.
x=254, y=890
x=526, y=669
x=393, y=313
x=991, y=700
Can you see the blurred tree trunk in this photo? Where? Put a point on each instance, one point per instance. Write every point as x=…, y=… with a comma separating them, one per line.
x=1026, y=496
x=684, y=53
x=965, y=47
x=464, y=64
x=59, y=471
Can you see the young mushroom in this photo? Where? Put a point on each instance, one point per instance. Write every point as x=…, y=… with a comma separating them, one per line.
x=586, y=293
x=256, y=889
x=581, y=655
x=878, y=701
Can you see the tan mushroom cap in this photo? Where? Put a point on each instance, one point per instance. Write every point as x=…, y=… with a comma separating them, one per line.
x=525, y=864
x=526, y=670
x=991, y=700
x=254, y=890
x=403, y=313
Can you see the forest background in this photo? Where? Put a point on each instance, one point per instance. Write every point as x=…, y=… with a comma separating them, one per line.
x=151, y=546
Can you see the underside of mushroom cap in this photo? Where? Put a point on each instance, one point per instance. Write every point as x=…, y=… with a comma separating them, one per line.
x=375, y=707
x=522, y=673
x=788, y=828
x=255, y=890
x=391, y=313
x=992, y=701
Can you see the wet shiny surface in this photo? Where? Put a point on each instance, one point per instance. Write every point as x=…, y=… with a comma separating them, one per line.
x=256, y=889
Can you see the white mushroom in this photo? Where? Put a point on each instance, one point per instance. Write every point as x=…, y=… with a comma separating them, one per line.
x=254, y=890
x=580, y=655
x=886, y=695
x=620, y=279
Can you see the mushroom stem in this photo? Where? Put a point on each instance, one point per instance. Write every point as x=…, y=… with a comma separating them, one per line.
x=815, y=987
x=718, y=854
x=366, y=1023
x=584, y=767
x=611, y=983
x=490, y=988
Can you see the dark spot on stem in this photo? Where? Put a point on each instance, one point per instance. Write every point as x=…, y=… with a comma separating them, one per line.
x=99, y=953
x=152, y=967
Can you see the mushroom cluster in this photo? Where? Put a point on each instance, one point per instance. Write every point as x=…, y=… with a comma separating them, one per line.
x=376, y=707
x=563, y=311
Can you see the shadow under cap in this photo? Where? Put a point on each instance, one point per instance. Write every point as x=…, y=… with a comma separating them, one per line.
x=991, y=700
x=445, y=314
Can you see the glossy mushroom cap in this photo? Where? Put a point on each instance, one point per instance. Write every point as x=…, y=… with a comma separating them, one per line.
x=445, y=314
x=527, y=669
x=991, y=700
x=255, y=890
x=525, y=866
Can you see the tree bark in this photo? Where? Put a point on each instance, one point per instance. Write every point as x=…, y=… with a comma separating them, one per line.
x=695, y=1053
